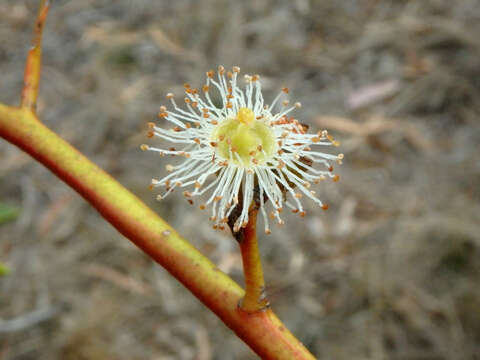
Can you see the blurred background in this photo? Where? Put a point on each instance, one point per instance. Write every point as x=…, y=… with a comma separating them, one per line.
x=390, y=271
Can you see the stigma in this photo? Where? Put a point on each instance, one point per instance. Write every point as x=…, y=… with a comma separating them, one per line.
x=245, y=116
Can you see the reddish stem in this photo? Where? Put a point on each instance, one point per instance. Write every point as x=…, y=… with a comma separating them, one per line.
x=255, y=297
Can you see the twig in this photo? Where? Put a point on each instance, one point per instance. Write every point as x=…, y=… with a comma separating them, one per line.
x=31, y=77
x=27, y=320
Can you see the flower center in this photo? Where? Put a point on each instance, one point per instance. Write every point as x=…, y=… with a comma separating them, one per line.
x=251, y=139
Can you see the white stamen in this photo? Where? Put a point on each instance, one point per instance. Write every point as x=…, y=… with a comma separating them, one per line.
x=288, y=171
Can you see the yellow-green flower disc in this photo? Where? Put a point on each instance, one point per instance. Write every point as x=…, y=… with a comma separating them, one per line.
x=251, y=139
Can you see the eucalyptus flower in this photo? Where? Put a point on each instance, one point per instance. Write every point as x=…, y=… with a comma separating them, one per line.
x=241, y=150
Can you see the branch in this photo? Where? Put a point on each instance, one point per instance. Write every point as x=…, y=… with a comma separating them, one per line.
x=262, y=331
